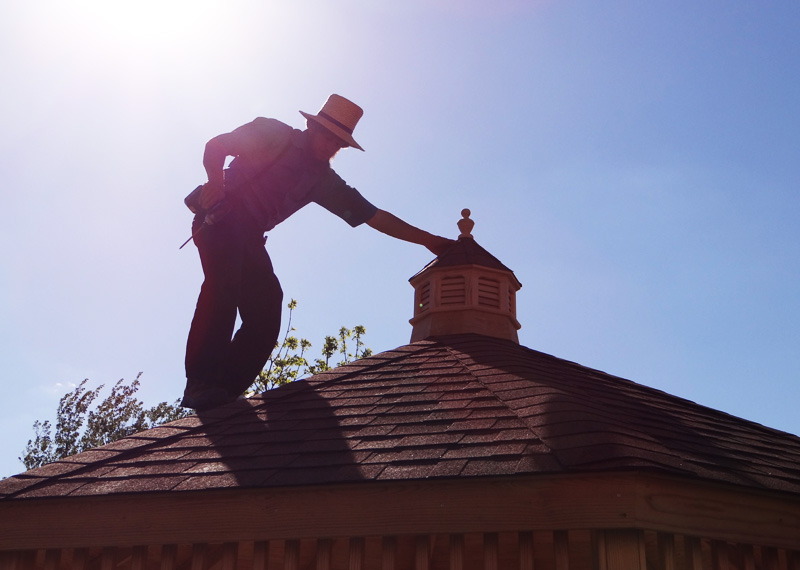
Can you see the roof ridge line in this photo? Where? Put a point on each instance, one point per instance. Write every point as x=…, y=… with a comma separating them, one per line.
x=478, y=379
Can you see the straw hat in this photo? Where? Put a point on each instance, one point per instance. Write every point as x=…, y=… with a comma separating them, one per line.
x=339, y=116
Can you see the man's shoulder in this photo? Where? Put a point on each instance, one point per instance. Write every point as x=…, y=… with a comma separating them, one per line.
x=263, y=140
x=269, y=126
x=278, y=132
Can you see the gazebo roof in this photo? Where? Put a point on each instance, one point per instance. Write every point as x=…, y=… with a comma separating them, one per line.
x=463, y=406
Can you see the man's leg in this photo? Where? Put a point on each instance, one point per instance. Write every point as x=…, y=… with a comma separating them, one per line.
x=260, y=310
x=207, y=348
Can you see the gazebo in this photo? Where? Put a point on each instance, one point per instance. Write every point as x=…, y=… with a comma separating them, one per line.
x=460, y=450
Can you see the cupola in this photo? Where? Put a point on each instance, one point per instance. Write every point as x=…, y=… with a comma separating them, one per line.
x=465, y=290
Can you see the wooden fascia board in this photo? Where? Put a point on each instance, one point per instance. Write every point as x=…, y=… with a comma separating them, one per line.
x=719, y=511
x=591, y=501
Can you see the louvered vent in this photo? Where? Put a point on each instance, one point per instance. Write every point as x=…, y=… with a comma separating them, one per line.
x=454, y=290
x=489, y=292
x=424, y=297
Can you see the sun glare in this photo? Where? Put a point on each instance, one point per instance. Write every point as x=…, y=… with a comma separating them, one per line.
x=102, y=31
x=143, y=24
x=151, y=37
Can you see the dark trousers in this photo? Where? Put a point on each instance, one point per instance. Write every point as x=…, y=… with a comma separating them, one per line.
x=238, y=278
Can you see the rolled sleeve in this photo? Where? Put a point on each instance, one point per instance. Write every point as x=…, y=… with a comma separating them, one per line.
x=344, y=201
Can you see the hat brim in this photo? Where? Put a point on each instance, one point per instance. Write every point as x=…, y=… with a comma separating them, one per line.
x=335, y=129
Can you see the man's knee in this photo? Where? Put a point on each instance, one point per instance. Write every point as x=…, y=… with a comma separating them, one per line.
x=276, y=290
x=272, y=297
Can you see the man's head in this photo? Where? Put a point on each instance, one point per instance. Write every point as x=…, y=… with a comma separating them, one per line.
x=323, y=144
x=338, y=117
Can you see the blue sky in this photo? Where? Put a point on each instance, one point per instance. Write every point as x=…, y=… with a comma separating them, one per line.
x=635, y=164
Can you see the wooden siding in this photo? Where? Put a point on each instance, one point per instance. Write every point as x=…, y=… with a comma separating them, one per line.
x=621, y=521
x=611, y=522
x=616, y=549
x=462, y=506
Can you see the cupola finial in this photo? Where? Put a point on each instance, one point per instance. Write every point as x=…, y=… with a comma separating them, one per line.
x=465, y=225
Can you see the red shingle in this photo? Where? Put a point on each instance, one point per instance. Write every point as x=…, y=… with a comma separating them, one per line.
x=463, y=406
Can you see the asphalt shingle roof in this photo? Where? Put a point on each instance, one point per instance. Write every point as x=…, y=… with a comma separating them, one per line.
x=462, y=406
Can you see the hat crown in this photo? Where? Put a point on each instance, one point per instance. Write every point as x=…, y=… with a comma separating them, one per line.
x=342, y=112
x=340, y=116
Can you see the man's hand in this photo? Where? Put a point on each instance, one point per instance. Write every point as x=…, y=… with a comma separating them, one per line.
x=216, y=151
x=211, y=194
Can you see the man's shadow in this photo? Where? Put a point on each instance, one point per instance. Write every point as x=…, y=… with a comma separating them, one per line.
x=288, y=435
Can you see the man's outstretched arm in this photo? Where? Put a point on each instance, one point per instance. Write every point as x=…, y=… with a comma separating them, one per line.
x=393, y=226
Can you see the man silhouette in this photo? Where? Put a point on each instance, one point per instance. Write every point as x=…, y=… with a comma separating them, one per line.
x=276, y=171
